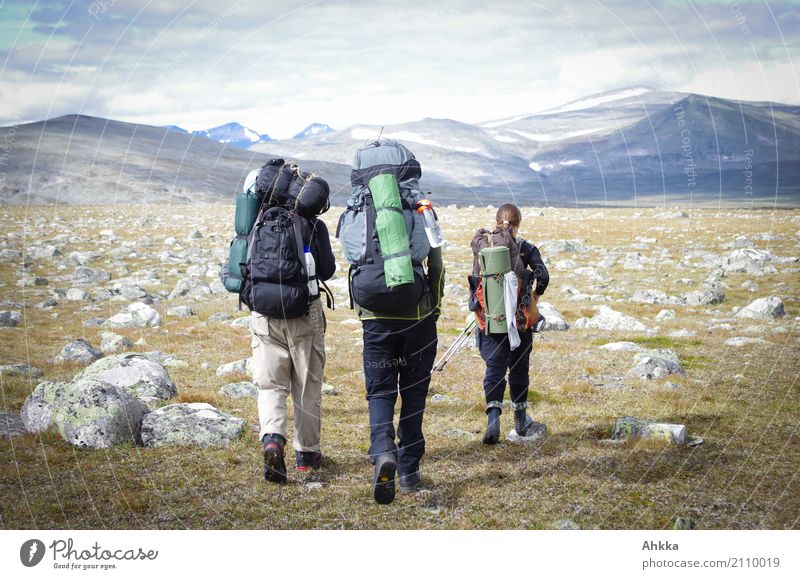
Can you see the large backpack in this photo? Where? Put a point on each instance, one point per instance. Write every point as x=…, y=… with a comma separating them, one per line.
x=275, y=276
x=490, y=317
x=382, y=234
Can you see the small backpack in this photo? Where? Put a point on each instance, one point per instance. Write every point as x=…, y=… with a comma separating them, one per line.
x=275, y=276
x=382, y=234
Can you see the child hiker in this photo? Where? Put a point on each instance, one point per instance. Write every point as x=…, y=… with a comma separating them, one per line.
x=508, y=279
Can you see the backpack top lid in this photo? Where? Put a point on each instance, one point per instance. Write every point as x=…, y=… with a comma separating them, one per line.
x=385, y=156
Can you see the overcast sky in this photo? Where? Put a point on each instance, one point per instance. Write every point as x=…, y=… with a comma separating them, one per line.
x=278, y=66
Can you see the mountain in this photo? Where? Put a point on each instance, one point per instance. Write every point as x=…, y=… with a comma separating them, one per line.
x=312, y=130
x=233, y=134
x=82, y=159
x=615, y=146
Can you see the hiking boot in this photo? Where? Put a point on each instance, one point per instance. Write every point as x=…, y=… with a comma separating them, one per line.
x=523, y=423
x=383, y=481
x=274, y=465
x=492, y=435
x=306, y=460
x=410, y=482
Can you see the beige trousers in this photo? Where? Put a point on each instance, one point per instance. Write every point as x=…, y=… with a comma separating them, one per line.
x=289, y=357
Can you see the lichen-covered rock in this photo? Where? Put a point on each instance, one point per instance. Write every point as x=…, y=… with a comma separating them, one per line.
x=97, y=414
x=239, y=390
x=553, y=320
x=135, y=315
x=79, y=351
x=763, y=309
x=37, y=410
x=135, y=373
x=190, y=287
x=748, y=260
x=651, y=368
x=539, y=431
x=10, y=319
x=111, y=343
x=193, y=424
x=10, y=425
x=180, y=311
x=75, y=294
x=609, y=319
x=710, y=295
x=20, y=370
x=630, y=427
x=244, y=366
x=89, y=276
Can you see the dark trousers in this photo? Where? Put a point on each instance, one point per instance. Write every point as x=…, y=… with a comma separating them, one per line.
x=496, y=352
x=398, y=357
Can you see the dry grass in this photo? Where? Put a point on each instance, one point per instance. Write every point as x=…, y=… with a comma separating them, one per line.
x=744, y=402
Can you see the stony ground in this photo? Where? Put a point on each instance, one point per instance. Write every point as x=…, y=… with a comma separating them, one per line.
x=738, y=396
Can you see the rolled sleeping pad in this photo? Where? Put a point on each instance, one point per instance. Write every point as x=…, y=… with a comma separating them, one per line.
x=236, y=259
x=495, y=262
x=247, y=205
x=310, y=194
x=392, y=233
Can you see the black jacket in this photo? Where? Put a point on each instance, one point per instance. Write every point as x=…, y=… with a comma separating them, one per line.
x=321, y=250
x=529, y=254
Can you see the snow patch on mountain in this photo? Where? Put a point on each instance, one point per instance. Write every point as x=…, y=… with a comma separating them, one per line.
x=590, y=102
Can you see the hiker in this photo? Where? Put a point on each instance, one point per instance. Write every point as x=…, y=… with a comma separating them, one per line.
x=288, y=256
x=505, y=333
x=396, y=282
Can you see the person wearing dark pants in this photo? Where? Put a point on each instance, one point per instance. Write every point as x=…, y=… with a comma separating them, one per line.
x=398, y=357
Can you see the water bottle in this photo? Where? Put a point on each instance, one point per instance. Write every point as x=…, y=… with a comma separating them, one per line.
x=311, y=270
x=432, y=228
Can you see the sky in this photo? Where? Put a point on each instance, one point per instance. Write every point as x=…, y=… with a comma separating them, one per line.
x=279, y=66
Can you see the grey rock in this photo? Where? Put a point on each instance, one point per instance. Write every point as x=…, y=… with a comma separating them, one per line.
x=10, y=425
x=219, y=317
x=135, y=315
x=684, y=524
x=193, y=424
x=79, y=351
x=609, y=319
x=554, y=321
x=631, y=427
x=25, y=370
x=562, y=246
x=180, y=311
x=457, y=433
x=742, y=341
x=707, y=296
x=566, y=525
x=47, y=304
x=539, y=432
x=622, y=347
x=97, y=414
x=135, y=373
x=243, y=322
x=190, y=287
x=751, y=261
x=111, y=343
x=329, y=390
x=649, y=296
x=650, y=368
x=441, y=399
x=763, y=309
x=10, y=319
x=93, y=322
x=683, y=333
x=239, y=390
x=32, y=281
x=665, y=315
x=89, y=276
x=37, y=409
x=10, y=255
x=244, y=366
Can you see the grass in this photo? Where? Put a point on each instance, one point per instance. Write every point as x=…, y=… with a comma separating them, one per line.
x=743, y=402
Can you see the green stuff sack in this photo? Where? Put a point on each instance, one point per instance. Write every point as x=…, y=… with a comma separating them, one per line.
x=392, y=233
x=495, y=262
x=247, y=205
x=236, y=258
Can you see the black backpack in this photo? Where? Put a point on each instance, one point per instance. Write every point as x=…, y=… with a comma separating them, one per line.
x=275, y=278
x=284, y=184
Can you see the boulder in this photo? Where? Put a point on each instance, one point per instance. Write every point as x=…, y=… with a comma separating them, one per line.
x=10, y=319
x=539, y=432
x=630, y=427
x=562, y=246
x=20, y=370
x=651, y=367
x=750, y=261
x=79, y=351
x=97, y=414
x=90, y=276
x=649, y=296
x=239, y=390
x=112, y=343
x=37, y=410
x=180, y=311
x=193, y=424
x=609, y=319
x=135, y=315
x=622, y=347
x=743, y=341
x=710, y=295
x=244, y=366
x=136, y=374
x=763, y=309
x=553, y=319
x=190, y=287
x=665, y=315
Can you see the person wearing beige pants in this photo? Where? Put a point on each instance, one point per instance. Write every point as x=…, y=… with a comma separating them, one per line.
x=289, y=358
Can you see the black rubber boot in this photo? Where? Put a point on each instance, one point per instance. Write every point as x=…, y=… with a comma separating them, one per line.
x=492, y=435
x=383, y=490
x=522, y=422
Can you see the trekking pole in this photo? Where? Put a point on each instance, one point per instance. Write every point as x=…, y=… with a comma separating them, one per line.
x=451, y=351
